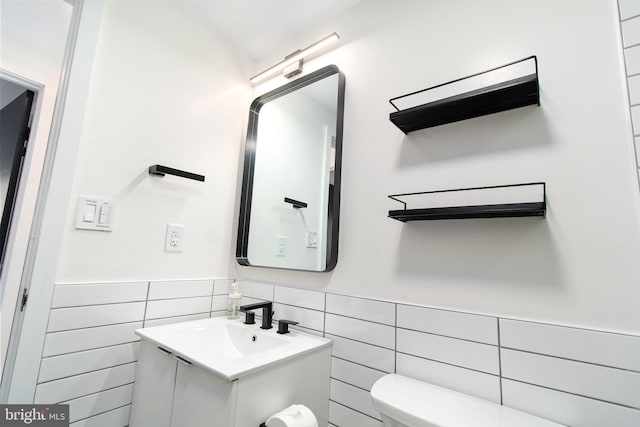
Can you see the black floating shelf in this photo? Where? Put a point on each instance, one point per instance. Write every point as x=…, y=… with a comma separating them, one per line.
x=507, y=95
x=534, y=206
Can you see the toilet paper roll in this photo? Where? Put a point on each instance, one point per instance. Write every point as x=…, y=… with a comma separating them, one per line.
x=293, y=416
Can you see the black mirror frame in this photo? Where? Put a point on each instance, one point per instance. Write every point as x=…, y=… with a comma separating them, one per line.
x=249, y=165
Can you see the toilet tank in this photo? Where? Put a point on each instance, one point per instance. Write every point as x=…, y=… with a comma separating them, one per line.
x=406, y=401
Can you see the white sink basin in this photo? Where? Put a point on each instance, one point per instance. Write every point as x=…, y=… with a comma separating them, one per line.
x=230, y=348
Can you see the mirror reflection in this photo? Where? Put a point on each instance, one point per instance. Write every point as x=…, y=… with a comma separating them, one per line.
x=289, y=211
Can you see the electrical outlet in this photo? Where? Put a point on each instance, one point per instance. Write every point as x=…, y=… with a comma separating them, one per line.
x=174, y=238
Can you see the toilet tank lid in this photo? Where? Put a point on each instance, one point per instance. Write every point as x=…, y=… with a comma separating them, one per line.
x=417, y=403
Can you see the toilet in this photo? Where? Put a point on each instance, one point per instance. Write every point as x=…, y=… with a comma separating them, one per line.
x=406, y=402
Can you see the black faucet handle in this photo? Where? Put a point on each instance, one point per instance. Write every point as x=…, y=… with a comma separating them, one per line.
x=283, y=325
x=249, y=318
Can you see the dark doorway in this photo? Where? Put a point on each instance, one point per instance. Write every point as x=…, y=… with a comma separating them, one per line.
x=14, y=134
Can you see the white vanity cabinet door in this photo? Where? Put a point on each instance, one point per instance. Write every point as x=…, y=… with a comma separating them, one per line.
x=153, y=390
x=203, y=399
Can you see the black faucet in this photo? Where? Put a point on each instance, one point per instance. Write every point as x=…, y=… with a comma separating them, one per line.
x=267, y=313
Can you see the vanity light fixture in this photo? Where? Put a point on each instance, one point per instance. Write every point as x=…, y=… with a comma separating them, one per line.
x=292, y=64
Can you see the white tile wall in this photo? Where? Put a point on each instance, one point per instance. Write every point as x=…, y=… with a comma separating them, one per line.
x=572, y=376
x=629, y=9
x=572, y=343
x=453, y=324
x=177, y=307
x=90, y=350
x=341, y=416
x=299, y=297
x=382, y=359
x=180, y=289
x=565, y=408
x=474, y=383
x=311, y=319
x=631, y=32
x=100, y=402
x=360, y=330
x=61, y=319
x=467, y=354
x=630, y=25
x=98, y=293
x=71, y=364
x=584, y=379
x=85, y=339
x=357, y=375
x=361, y=308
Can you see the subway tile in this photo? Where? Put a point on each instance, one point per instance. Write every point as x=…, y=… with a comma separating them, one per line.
x=602, y=348
x=222, y=286
x=608, y=384
x=311, y=319
x=564, y=408
x=354, y=374
x=85, y=339
x=634, y=89
x=67, y=365
x=635, y=119
x=636, y=140
x=256, y=290
x=178, y=307
x=362, y=308
x=342, y=416
x=97, y=403
x=453, y=324
x=378, y=358
x=360, y=330
x=117, y=417
x=631, y=32
x=98, y=294
x=353, y=397
x=81, y=385
x=180, y=289
x=61, y=319
x=467, y=354
x=632, y=60
x=175, y=319
x=219, y=303
x=629, y=8
x=299, y=297
x=484, y=386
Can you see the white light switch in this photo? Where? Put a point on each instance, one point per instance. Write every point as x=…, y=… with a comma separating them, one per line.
x=95, y=214
x=281, y=245
x=89, y=212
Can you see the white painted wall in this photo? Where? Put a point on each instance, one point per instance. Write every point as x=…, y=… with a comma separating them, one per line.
x=579, y=266
x=165, y=90
x=33, y=37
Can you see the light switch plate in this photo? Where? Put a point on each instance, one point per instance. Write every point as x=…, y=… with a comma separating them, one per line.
x=95, y=214
x=281, y=245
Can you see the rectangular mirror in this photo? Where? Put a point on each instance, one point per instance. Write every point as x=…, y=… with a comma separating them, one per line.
x=290, y=203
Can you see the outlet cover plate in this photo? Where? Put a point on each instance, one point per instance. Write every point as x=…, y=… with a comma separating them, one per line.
x=174, y=238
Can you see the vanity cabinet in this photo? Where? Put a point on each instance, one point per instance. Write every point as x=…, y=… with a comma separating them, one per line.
x=171, y=392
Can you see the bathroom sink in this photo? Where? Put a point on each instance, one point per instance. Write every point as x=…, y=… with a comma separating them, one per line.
x=229, y=348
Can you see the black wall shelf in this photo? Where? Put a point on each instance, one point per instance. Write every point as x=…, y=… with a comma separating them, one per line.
x=531, y=203
x=507, y=95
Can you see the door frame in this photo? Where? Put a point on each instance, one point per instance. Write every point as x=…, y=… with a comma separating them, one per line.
x=21, y=369
x=17, y=242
